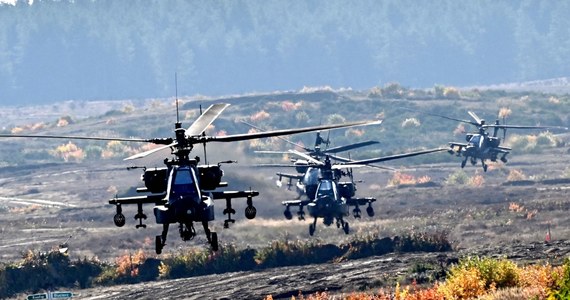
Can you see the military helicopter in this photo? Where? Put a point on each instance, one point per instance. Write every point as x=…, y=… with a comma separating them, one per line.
x=183, y=191
x=310, y=169
x=306, y=173
x=480, y=145
x=328, y=197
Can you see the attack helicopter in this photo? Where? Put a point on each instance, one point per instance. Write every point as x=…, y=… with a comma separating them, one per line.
x=480, y=145
x=310, y=170
x=183, y=191
x=328, y=197
x=307, y=176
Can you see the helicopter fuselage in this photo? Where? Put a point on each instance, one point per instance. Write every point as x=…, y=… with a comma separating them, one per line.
x=185, y=201
x=327, y=203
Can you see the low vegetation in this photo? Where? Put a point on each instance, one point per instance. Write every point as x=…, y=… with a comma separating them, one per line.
x=42, y=271
x=480, y=278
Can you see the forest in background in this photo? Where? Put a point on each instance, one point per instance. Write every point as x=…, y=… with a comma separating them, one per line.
x=86, y=50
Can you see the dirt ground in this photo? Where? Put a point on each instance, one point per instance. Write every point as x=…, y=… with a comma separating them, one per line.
x=46, y=205
x=343, y=278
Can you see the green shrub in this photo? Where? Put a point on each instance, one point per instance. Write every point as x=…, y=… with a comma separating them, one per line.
x=496, y=273
x=563, y=292
x=458, y=177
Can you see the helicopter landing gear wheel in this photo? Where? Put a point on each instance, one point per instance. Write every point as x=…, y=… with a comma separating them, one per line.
x=119, y=220
x=484, y=168
x=463, y=163
x=346, y=228
x=158, y=244
x=337, y=224
x=288, y=214
x=214, y=243
x=311, y=229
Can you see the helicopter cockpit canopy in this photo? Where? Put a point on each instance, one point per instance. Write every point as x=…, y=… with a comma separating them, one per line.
x=184, y=184
x=312, y=176
x=326, y=188
x=475, y=140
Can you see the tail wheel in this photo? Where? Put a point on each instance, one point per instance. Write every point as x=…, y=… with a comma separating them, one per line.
x=311, y=229
x=214, y=243
x=119, y=220
x=346, y=228
x=158, y=244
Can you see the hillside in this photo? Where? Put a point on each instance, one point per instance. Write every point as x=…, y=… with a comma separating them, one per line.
x=48, y=194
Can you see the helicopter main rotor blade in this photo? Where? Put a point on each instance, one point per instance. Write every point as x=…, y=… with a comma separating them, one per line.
x=382, y=167
x=442, y=116
x=149, y=152
x=278, y=166
x=523, y=127
x=72, y=137
x=350, y=147
x=307, y=157
x=397, y=156
x=475, y=117
x=257, y=135
x=270, y=152
x=279, y=137
x=205, y=119
x=339, y=158
x=339, y=167
x=345, y=160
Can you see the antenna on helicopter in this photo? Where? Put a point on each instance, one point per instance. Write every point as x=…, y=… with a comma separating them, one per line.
x=178, y=125
x=204, y=144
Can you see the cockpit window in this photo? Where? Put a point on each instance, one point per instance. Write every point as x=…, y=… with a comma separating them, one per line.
x=183, y=177
x=184, y=184
x=475, y=139
x=326, y=188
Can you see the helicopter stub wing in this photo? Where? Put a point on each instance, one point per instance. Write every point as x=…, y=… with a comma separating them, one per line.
x=233, y=194
x=292, y=176
x=502, y=149
x=460, y=145
x=295, y=202
x=153, y=198
x=205, y=119
x=360, y=201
